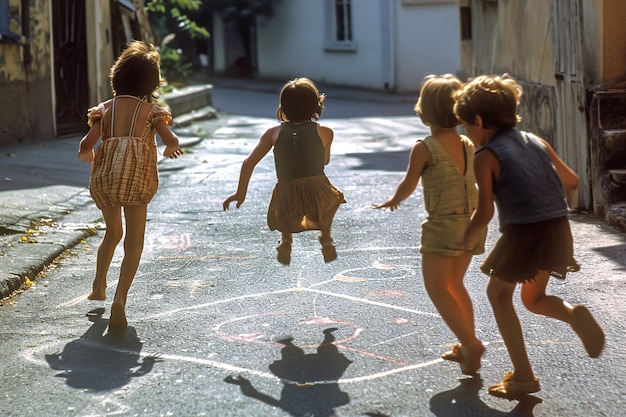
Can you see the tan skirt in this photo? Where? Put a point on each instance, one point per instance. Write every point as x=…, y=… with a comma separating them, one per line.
x=308, y=203
x=442, y=234
x=124, y=172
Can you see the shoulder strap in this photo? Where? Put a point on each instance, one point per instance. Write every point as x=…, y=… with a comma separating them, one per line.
x=112, y=116
x=132, y=124
x=134, y=119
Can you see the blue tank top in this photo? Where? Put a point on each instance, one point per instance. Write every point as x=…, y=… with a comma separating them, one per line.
x=529, y=189
x=298, y=152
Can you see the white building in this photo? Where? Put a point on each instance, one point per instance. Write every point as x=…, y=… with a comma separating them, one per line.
x=374, y=44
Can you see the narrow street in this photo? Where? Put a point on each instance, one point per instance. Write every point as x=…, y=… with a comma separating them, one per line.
x=217, y=327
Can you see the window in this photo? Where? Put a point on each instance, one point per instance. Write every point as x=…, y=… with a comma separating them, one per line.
x=6, y=14
x=466, y=23
x=343, y=28
x=339, y=26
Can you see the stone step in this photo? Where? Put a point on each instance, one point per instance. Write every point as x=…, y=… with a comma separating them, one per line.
x=188, y=99
x=611, y=106
x=614, y=141
x=618, y=176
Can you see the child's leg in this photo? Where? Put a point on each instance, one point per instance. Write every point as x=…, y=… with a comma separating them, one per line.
x=328, y=248
x=284, y=248
x=500, y=295
x=135, y=217
x=443, y=280
x=112, y=236
x=325, y=235
x=286, y=237
x=535, y=299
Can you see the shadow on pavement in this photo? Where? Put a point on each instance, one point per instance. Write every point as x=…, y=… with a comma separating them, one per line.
x=396, y=161
x=615, y=253
x=464, y=401
x=310, y=380
x=99, y=362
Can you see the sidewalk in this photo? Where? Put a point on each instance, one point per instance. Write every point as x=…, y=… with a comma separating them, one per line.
x=45, y=206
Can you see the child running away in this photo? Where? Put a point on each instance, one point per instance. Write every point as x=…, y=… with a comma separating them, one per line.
x=124, y=175
x=444, y=161
x=529, y=183
x=303, y=197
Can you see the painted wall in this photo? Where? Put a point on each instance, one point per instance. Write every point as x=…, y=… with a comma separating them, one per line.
x=26, y=108
x=427, y=42
x=614, y=43
x=515, y=37
x=293, y=44
x=396, y=44
x=99, y=50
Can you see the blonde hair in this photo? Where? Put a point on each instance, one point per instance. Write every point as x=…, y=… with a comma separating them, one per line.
x=300, y=100
x=494, y=98
x=436, y=100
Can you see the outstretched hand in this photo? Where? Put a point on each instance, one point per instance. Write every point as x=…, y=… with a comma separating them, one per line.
x=230, y=199
x=87, y=156
x=172, y=152
x=390, y=204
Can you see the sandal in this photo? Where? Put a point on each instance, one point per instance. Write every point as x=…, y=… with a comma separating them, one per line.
x=470, y=357
x=454, y=355
x=284, y=252
x=328, y=250
x=511, y=389
x=589, y=331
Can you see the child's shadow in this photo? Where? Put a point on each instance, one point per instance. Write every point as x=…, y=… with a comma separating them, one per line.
x=465, y=401
x=99, y=362
x=310, y=380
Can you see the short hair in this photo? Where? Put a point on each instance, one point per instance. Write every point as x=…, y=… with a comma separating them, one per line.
x=436, y=101
x=492, y=97
x=300, y=100
x=137, y=71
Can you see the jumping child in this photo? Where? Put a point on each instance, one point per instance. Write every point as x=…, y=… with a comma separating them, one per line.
x=444, y=161
x=529, y=183
x=124, y=174
x=303, y=198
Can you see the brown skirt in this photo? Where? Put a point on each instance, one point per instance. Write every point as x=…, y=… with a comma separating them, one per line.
x=308, y=203
x=525, y=249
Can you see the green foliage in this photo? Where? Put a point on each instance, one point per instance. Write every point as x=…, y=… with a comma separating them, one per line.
x=178, y=12
x=174, y=66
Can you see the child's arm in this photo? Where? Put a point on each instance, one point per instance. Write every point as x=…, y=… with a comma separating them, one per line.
x=326, y=135
x=262, y=148
x=486, y=169
x=418, y=161
x=87, y=143
x=568, y=177
x=169, y=138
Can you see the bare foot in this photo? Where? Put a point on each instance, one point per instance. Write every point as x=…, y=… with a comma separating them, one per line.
x=117, y=321
x=97, y=295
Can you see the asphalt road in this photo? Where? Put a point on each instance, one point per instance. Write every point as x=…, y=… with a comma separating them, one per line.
x=219, y=328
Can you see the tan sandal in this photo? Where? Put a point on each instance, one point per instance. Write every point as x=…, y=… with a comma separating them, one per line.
x=510, y=388
x=454, y=355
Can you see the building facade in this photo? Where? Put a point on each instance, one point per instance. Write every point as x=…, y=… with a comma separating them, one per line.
x=55, y=57
x=570, y=57
x=375, y=44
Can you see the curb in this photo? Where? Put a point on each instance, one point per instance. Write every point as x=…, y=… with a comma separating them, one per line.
x=31, y=242
x=41, y=237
